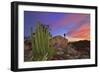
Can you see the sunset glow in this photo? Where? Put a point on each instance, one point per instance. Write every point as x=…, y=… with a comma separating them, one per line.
x=76, y=26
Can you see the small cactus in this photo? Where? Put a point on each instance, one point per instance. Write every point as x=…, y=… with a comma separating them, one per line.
x=40, y=43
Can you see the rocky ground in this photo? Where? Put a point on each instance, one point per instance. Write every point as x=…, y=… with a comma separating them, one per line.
x=64, y=50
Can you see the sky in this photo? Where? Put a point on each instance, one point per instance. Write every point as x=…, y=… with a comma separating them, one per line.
x=76, y=26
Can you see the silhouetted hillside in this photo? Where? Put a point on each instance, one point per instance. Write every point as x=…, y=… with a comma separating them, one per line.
x=81, y=44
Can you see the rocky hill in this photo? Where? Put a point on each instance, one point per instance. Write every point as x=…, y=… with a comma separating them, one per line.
x=70, y=50
x=59, y=42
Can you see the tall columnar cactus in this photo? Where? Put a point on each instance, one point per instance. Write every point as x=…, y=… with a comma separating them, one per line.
x=40, y=43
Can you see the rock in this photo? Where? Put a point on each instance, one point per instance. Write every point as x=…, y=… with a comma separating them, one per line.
x=27, y=50
x=59, y=42
x=27, y=55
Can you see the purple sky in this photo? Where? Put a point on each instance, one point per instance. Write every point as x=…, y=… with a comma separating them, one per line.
x=59, y=23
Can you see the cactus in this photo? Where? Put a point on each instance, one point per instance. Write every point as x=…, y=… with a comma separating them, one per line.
x=40, y=43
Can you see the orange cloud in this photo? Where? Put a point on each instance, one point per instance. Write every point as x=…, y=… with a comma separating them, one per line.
x=83, y=33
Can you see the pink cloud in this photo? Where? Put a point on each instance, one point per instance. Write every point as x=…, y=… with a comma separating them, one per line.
x=83, y=32
x=68, y=19
x=75, y=18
